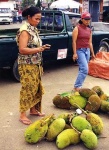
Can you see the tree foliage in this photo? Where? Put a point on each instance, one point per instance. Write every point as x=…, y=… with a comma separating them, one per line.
x=26, y=3
x=38, y=4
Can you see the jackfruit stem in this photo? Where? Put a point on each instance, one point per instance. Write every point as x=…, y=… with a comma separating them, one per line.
x=47, y=119
x=102, y=137
x=81, y=109
x=75, y=129
x=89, y=102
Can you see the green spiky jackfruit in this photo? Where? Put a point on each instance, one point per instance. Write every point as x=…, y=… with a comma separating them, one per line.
x=67, y=137
x=62, y=100
x=86, y=92
x=75, y=100
x=104, y=106
x=37, y=130
x=89, y=138
x=98, y=90
x=80, y=123
x=96, y=123
x=55, y=128
x=93, y=103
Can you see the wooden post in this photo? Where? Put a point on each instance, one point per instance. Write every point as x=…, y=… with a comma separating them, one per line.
x=80, y=9
x=101, y=10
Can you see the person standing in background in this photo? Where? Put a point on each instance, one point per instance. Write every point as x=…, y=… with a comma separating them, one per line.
x=15, y=15
x=82, y=46
x=20, y=16
x=30, y=65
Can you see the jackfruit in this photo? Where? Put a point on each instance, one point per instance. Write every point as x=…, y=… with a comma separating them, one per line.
x=93, y=103
x=104, y=97
x=104, y=106
x=98, y=90
x=96, y=123
x=37, y=130
x=80, y=123
x=77, y=100
x=66, y=116
x=62, y=100
x=86, y=92
x=55, y=128
x=89, y=139
x=76, y=93
x=67, y=137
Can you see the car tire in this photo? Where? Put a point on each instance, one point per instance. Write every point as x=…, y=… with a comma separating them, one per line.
x=104, y=47
x=15, y=71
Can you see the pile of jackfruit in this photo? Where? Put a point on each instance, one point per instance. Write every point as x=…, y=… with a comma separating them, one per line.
x=66, y=129
x=72, y=128
x=93, y=100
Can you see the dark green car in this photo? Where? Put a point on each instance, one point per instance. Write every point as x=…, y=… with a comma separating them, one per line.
x=55, y=29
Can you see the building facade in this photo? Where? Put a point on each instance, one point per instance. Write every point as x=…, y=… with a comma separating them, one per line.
x=95, y=7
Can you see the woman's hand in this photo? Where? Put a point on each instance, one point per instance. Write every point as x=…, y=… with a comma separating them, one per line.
x=44, y=47
x=93, y=56
x=75, y=57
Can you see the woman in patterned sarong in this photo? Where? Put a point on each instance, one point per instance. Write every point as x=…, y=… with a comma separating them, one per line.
x=30, y=64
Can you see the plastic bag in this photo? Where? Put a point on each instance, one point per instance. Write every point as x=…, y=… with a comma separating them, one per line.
x=99, y=67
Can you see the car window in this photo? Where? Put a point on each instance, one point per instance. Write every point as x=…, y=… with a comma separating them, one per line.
x=74, y=20
x=5, y=10
x=51, y=21
x=58, y=20
x=47, y=20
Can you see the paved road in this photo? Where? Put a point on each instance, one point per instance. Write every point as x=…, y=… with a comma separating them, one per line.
x=10, y=26
x=57, y=78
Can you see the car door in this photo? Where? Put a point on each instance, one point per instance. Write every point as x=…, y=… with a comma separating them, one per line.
x=57, y=36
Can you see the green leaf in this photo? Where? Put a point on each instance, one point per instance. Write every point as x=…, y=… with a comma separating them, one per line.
x=66, y=94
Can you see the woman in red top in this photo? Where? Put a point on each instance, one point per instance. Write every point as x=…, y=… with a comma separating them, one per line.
x=82, y=46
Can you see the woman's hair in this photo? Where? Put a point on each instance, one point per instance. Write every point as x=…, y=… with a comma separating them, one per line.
x=31, y=11
x=80, y=22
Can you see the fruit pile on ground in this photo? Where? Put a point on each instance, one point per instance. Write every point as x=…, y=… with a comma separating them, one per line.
x=66, y=129
x=92, y=100
x=72, y=128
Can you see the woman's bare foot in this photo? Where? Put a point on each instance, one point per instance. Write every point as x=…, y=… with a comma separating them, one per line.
x=37, y=113
x=24, y=119
x=33, y=111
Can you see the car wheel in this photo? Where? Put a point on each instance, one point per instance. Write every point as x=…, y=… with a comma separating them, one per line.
x=15, y=71
x=104, y=47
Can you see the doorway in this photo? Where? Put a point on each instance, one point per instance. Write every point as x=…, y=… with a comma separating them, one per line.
x=94, y=10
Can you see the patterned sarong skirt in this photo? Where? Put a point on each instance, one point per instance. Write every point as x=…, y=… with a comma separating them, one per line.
x=32, y=89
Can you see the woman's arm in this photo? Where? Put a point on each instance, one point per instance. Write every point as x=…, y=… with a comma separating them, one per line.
x=91, y=46
x=23, y=41
x=74, y=38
